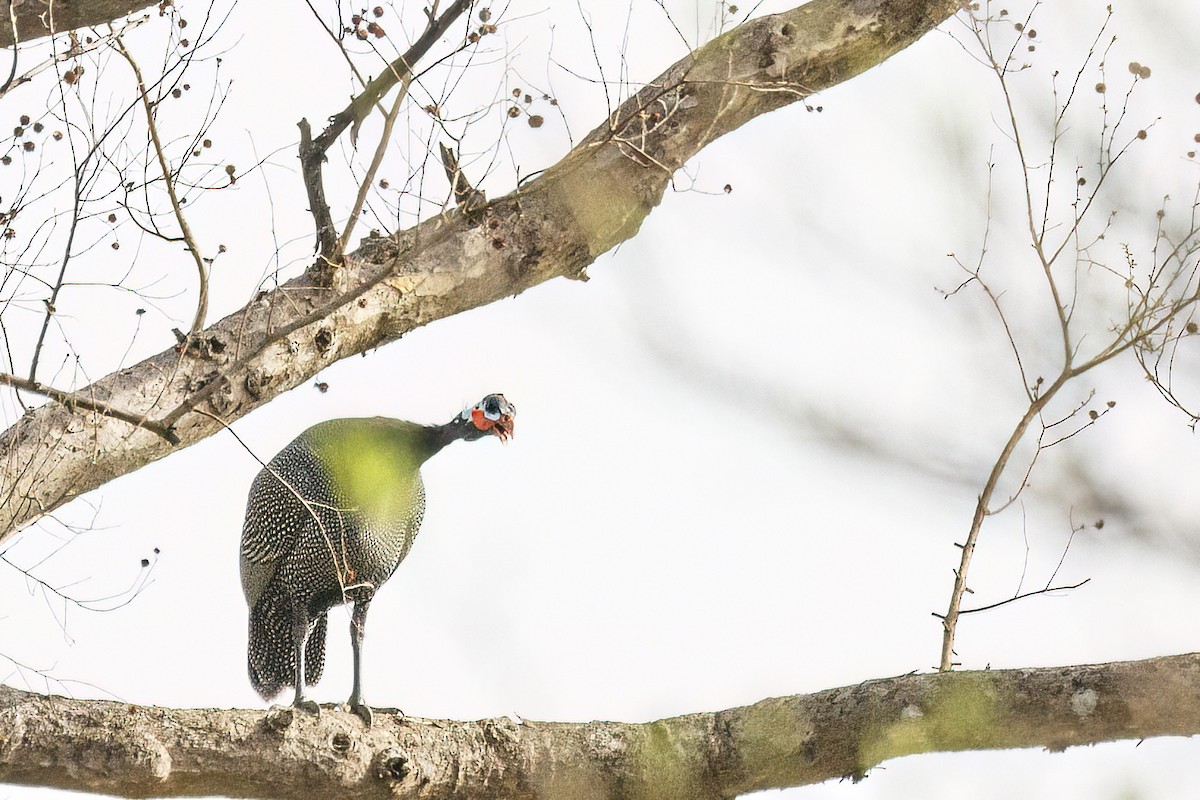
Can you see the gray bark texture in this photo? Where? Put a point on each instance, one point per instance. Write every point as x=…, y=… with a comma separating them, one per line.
x=556, y=225
x=39, y=18
x=136, y=751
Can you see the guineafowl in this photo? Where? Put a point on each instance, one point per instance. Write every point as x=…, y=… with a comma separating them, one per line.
x=328, y=521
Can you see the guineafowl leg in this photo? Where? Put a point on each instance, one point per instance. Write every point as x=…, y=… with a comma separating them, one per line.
x=299, y=636
x=358, y=621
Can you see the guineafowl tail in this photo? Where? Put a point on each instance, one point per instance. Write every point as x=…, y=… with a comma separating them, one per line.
x=314, y=651
x=270, y=655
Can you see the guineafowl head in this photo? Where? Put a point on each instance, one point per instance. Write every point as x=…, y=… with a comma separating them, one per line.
x=493, y=415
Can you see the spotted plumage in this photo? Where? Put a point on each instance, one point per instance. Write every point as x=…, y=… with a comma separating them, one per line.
x=328, y=520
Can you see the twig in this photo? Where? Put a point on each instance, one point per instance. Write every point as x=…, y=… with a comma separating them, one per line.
x=122, y=598
x=1046, y=590
x=78, y=49
x=950, y=620
x=184, y=228
x=397, y=70
x=466, y=196
x=349, y=61
x=52, y=302
x=376, y=160
x=44, y=674
x=72, y=400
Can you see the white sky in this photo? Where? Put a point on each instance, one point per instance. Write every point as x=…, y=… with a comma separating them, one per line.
x=679, y=524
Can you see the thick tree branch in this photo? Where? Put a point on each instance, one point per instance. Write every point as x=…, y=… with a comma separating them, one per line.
x=33, y=16
x=557, y=225
x=136, y=751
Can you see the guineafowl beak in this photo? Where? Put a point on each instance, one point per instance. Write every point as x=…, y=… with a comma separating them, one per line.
x=504, y=427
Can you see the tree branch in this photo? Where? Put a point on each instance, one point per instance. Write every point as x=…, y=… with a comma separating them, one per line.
x=169, y=180
x=311, y=161
x=312, y=151
x=398, y=70
x=556, y=225
x=33, y=21
x=385, y=138
x=138, y=751
x=72, y=400
x=466, y=196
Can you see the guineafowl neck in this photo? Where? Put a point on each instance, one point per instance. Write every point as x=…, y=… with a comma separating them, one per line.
x=438, y=436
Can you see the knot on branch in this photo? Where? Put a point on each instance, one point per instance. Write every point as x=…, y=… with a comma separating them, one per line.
x=256, y=382
x=391, y=765
x=219, y=392
x=210, y=347
x=775, y=51
x=323, y=339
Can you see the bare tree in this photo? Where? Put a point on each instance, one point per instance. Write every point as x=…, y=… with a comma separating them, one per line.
x=1069, y=250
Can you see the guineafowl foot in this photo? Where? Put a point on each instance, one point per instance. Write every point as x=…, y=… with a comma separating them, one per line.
x=281, y=717
x=308, y=706
x=364, y=712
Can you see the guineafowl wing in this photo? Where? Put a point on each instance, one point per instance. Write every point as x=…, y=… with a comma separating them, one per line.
x=289, y=496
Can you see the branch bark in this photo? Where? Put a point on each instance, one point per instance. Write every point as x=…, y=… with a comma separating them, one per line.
x=137, y=751
x=556, y=225
x=33, y=16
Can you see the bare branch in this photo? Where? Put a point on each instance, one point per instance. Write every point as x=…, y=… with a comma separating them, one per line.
x=398, y=70
x=466, y=196
x=1151, y=316
x=385, y=138
x=950, y=620
x=185, y=229
x=136, y=751
x=1034, y=593
x=311, y=160
x=73, y=400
